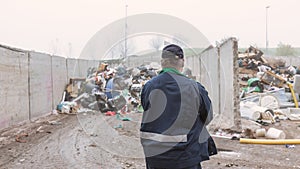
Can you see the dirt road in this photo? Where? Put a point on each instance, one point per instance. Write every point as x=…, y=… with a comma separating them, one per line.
x=91, y=140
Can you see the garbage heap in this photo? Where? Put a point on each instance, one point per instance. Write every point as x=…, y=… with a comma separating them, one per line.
x=107, y=90
x=269, y=93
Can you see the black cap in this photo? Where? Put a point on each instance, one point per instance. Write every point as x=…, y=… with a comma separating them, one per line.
x=172, y=51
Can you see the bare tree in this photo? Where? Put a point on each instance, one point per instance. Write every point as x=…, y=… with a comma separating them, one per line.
x=179, y=40
x=119, y=51
x=55, y=46
x=156, y=42
x=129, y=50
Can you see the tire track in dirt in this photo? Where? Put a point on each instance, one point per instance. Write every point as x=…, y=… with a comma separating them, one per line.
x=70, y=146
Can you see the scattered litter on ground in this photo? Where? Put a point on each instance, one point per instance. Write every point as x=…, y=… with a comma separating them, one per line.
x=92, y=145
x=2, y=138
x=126, y=119
x=54, y=122
x=118, y=126
x=19, y=137
x=290, y=146
x=110, y=113
x=39, y=130
x=94, y=135
x=231, y=165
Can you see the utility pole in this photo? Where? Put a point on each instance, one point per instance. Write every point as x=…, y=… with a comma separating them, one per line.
x=125, y=45
x=267, y=42
x=70, y=49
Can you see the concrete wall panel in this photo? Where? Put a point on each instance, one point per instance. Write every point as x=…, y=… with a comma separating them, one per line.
x=229, y=117
x=197, y=67
x=193, y=63
x=93, y=63
x=226, y=86
x=72, y=68
x=41, y=88
x=14, y=105
x=83, y=66
x=189, y=63
x=210, y=78
x=216, y=69
x=59, y=75
x=32, y=83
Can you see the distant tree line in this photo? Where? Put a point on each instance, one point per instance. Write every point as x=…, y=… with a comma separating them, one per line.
x=285, y=50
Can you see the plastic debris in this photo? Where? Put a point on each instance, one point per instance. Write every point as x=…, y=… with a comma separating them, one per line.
x=290, y=146
x=118, y=126
x=275, y=134
x=39, y=130
x=126, y=119
x=54, y=122
x=110, y=113
x=20, y=136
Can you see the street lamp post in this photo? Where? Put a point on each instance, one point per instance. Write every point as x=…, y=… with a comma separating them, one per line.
x=125, y=45
x=267, y=42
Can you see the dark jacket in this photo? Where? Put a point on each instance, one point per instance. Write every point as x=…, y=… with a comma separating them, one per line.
x=176, y=110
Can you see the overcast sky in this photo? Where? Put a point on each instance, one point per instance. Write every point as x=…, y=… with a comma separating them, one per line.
x=41, y=25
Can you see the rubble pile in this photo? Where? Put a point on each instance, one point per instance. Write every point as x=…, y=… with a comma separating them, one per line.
x=108, y=90
x=269, y=93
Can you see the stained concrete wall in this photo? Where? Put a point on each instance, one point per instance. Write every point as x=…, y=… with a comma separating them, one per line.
x=32, y=83
x=59, y=76
x=210, y=76
x=94, y=63
x=13, y=86
x=40, y=84
x=82, y=66
x=229, y=116
x=72, y=68
x=216, y=69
